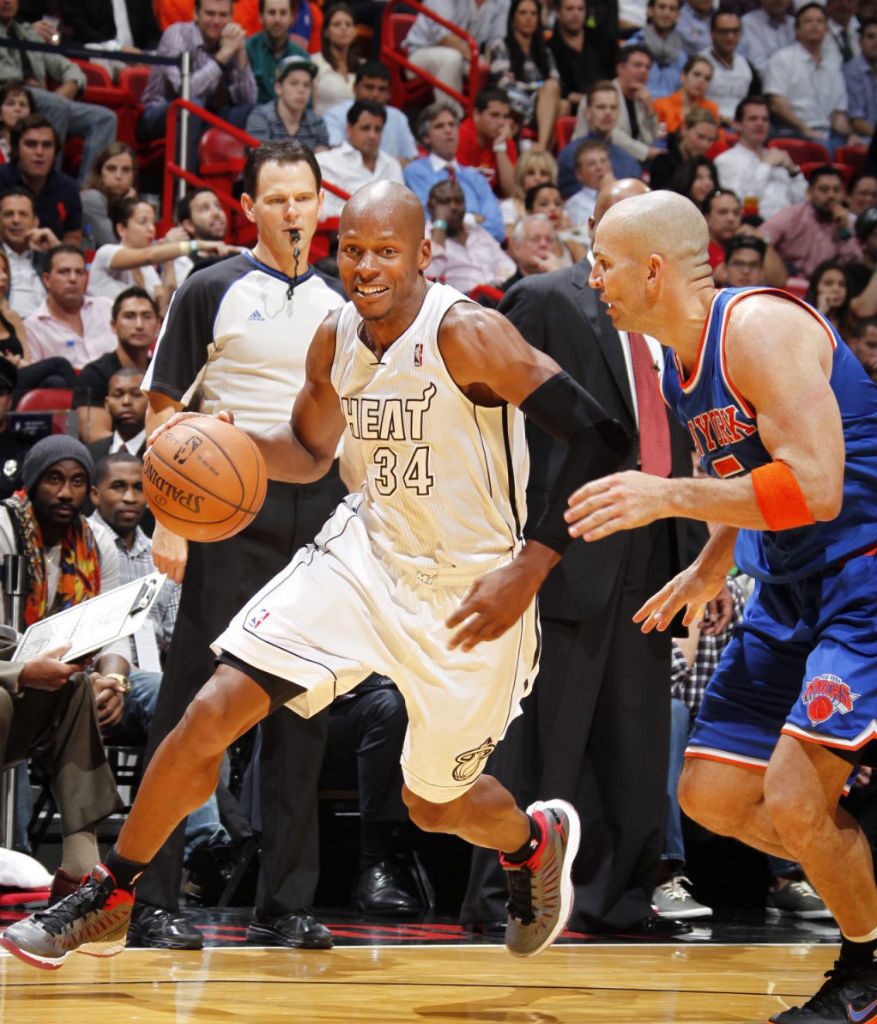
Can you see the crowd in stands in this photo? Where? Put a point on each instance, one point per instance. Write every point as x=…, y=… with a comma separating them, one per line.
x=762, y=112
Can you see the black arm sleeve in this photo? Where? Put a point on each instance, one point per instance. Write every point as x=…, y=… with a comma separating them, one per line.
x=598, y=445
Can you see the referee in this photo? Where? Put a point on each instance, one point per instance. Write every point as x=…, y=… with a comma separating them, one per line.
x=236, y=336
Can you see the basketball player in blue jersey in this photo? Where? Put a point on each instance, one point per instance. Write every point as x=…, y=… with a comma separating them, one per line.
x=423, y=575
x=785, y=420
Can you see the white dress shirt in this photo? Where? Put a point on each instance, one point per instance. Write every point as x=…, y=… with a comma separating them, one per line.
x=343, y=166
x=812, y=90
x=746, y=173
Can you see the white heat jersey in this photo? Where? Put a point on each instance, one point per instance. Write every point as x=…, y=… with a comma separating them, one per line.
x=445, y=479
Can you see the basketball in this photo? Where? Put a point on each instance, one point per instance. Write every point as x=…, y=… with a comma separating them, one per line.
x=204, y=479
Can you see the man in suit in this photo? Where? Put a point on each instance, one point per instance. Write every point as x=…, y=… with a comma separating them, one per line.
x=126, y=405
x=596, y=728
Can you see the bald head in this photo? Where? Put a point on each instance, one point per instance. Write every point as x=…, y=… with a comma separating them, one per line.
x=385, y=202
x=661, y=223
x=614, y=192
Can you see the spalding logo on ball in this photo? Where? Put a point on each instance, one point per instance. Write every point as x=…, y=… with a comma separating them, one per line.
x=204, y=479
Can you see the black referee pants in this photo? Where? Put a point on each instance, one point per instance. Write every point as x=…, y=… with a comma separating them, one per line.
x=219, y=579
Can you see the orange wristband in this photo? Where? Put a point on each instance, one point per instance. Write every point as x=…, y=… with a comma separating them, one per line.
x=780, y=497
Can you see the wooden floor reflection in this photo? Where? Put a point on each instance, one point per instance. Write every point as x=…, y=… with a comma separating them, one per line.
x=570, y=984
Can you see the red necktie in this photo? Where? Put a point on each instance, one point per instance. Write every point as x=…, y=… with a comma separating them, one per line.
x=654, y=432
x=452, y=173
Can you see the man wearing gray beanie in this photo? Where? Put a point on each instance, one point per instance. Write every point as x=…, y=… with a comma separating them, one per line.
x=64, y=560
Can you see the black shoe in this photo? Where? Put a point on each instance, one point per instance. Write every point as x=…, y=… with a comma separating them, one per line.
x=489, y=929
x=849, y=996
x=299, y=930
x=654, y=927
x=211, y=867
x=157, y=928
x=384, y=889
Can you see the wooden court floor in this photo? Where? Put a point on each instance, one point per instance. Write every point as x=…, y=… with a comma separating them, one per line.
x=569, y=984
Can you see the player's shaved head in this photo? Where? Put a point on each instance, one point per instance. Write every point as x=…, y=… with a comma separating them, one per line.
x=661, y=223
x=388, y=204
x=614, y=192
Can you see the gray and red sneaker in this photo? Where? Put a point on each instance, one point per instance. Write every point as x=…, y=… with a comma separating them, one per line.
x=540, y=889
x=93, y=919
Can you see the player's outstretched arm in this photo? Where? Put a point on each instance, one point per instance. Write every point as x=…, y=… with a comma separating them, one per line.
x=302, y=450
x=779, y=359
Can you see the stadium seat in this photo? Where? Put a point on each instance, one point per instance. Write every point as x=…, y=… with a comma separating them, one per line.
x=54, y=400
x=723, y=142
x=150, y=155
x=316, y=27
x=95, y=74
x=808, y=166
x=220, y=159
x=133, y=78
x=563, y=129
x=405, y=92
x=852, y=156
x=802, y=150
x=486, y=291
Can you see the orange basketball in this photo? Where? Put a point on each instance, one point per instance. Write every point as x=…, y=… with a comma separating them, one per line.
x=204, y=479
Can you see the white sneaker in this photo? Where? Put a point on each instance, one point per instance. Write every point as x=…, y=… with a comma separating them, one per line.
x=798, y=899
x=672, y=899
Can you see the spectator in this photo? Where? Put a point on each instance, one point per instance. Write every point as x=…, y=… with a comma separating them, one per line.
x=126, y=406
x=694, y=26
x=601, y=112
x=533, y=245
x=462, y=256
x=337, y=60
x=486, y=139
x=593, y=170
x=769, y=176
x=358, y=160
x=134, y=319
x=829, y=292
x=722, y=211
x=95, y=124
x=765, y=31
x=203, y=219
x=841, y=44
x=372, y=82
x=860, y=78
x=67, y=561
x=523, y=65
x=103, y=25
x=34, y=146
x=817, y=229
x=637, y=125
x=438, y=128
x=696, y=179
x=46, y=373
x=266, y=50
x=863, y=342
x=744, y=261
x=547, y=200
x=699, y=131
x=441, y=53
x=662, y=40
x=733, y=77
x=113, y=177
x=578, y=55
x=697, y=73
x=862, y=277
x=862, y=193
x=288, y=115
x=806, y=92
x=24, y=243
x=16, y=102
x=535, y=167
x=12, y=448
x=222, y=81
x=68, y=322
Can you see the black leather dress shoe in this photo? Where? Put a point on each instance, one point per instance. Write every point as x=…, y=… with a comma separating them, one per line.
x=157, y=928
x=299, y=930
x=383, y=889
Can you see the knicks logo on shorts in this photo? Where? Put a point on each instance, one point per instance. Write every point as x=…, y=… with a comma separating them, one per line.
x=826, y=694
x=470, y=763
x=257, y=618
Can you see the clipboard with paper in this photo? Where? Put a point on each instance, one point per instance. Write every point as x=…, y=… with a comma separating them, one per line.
x=91, y=625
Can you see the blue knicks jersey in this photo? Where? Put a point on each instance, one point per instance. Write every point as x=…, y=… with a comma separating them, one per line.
x=724, y=431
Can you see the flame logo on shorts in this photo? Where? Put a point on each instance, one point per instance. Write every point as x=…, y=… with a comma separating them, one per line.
x=470, y=762
x=826, y=694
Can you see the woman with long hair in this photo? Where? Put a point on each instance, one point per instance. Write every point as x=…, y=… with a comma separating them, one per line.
x=547, y=200
x=114, y=175
x=534, y=167
x=523, y=65
x=697, y=73
x=696, y=179
x=16, y=102
x=829, y=292
x=337, y=59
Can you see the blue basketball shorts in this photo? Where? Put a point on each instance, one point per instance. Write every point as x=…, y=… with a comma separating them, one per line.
x=802, y=662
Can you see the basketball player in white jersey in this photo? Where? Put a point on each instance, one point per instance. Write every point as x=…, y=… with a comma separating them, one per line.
x=424, y=575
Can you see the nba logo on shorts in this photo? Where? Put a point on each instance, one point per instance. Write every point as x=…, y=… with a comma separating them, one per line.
x=418, y=354
x=826, y=694
x=257, y=618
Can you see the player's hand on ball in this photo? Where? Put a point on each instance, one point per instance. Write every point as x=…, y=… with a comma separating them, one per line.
x=621, y=501
x=169, y=552
x=179, y=417
x=690, y=589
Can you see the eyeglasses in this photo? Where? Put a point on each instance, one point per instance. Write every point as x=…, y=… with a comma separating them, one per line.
x=727, y=31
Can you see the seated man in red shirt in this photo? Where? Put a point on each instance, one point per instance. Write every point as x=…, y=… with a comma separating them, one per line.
x=486, y=140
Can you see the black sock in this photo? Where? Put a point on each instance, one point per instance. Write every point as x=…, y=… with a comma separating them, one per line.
x=125, y=872
x=857, y=954
x=524, y=852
